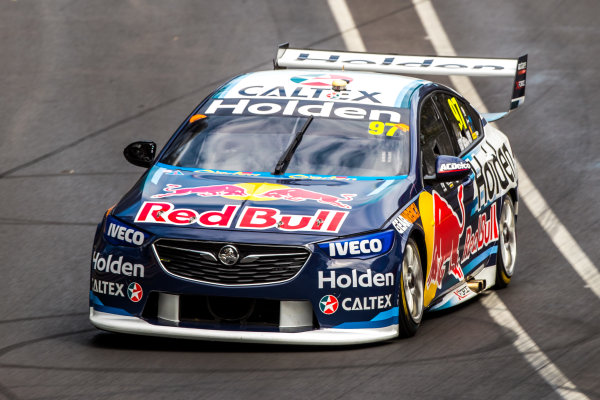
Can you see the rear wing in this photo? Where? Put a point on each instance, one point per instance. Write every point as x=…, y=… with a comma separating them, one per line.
x=412, y=65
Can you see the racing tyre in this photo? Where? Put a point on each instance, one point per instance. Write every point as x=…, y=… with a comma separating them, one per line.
x=507, y=244
x=410, y=291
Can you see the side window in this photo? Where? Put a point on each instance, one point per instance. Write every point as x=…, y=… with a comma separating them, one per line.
x=462, y=120
x=433, y=136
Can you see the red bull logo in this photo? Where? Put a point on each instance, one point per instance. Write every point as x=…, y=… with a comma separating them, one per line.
x=448, y=229
x=298, y=194
x=258, y=192
x=204, y=191
x=256, y=218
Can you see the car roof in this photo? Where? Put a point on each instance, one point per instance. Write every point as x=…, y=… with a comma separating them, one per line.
x=305, y=84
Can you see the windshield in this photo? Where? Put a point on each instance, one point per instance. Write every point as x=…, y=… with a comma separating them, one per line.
x=328, y=147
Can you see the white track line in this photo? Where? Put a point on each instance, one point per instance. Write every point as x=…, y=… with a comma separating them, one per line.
x=496, y=308
x=559, y=235
x=531, y=351
x=346, y=25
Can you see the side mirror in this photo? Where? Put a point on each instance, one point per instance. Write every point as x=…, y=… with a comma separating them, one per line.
x=450, y=169
x=141, y=153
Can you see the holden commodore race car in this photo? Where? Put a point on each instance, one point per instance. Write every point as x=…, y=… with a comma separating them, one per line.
x=331, y=200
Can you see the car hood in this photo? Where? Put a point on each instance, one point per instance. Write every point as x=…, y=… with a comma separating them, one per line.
x=334, y=206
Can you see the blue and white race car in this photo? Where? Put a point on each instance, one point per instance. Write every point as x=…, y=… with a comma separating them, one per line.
x=329, y=201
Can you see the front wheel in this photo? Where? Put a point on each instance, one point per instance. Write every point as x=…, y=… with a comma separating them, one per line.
x=507, y=244
x=410, y=291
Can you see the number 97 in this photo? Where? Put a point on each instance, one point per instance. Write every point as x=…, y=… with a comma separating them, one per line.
x=376, y=128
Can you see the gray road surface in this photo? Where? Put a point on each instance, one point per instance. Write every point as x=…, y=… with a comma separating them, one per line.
x=81, y=79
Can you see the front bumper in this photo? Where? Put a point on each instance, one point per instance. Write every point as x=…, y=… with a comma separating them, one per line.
x=325, y=337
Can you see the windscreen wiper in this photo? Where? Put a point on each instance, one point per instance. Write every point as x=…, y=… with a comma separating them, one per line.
x=283, y=162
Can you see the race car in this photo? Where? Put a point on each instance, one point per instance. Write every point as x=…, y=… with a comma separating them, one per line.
x=331, y=201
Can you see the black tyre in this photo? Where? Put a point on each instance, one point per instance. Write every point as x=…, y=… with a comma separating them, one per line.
x=410, y=291
x=507, y=244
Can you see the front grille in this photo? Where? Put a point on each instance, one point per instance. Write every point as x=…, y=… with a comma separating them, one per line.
x=257, y=264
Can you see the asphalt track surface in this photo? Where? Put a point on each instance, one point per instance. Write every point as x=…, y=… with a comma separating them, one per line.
x=80, y=80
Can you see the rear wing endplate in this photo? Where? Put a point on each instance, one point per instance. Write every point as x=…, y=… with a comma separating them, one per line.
x=411, y=65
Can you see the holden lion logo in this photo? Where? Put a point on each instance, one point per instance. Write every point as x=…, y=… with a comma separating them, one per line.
x=328, y=304
x=134, y=292
x=228, y=255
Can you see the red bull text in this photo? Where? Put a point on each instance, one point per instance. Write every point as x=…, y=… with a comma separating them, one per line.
x=250, y=218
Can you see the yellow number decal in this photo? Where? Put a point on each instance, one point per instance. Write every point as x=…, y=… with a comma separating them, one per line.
x=462, y=124
x=376, y=128
x=393, y=128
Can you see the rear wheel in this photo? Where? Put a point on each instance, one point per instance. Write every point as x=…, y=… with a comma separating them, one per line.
x=507, y=244
x=410, y=291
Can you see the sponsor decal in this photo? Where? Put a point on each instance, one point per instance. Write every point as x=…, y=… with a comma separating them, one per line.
x=401, y=224
x=322, y=177
x=134, y=292
x=116, y=266
x=174, y=172
x=204, y=191
x=123, y=234
x=495, y=172
x=364, y=280
x=265, y=218
x=318, y=93
x=448, y=229
x=355, y=247
x=406, y=219
x=108, y=288
x=367, y=303
x=166, y=213
x=411, y=213
x=486, y=232
x=199, y=174
x=258, y=192
x=299, y=108
x=318, y=80
x=416, y=62
x=454, y=167
x=299, y=194
x=370, y=245
x=328, y=304
x=250, y=218
x=217, y=172
x=463, y=292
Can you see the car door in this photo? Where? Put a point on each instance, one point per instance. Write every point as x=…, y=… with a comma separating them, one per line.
x=446, y=200
x=464, y=125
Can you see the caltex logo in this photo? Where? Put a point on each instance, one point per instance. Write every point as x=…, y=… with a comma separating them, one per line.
x=318, y=80
x=328, y=304
x=135, y=292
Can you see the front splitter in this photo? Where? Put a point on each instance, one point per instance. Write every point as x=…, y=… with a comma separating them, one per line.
x=320, y=337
